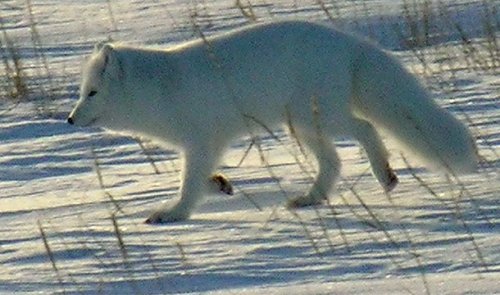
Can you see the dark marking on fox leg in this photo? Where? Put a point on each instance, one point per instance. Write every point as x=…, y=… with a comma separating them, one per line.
x=224, y=184
x=393, y=179
x=150, y=221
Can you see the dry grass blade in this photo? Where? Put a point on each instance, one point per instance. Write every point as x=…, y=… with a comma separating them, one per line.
x=246, y=10
x=124, y=253
x=38, y=50
x=119, y=238
x=458, y=212
x=287, y=198
x=326, y=11
x=111, y=16
x=100, y=179
x=15, y=85
x=147, y=154
x=245, y=154
x=50, y=254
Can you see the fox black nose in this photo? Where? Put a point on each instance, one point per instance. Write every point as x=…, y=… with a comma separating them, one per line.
x=70, y=120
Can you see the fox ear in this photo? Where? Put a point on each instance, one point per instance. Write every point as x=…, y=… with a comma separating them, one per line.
x=107, y=47
x=99, y=46
x=109, y=55
x=104, y=49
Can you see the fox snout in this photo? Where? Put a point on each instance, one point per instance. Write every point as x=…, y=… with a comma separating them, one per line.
x=81, y=119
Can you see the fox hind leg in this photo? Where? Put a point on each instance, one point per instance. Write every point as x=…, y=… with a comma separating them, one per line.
x=368, y=137
x=328, y=172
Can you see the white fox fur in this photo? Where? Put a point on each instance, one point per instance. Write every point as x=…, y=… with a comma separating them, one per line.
x=203, y=94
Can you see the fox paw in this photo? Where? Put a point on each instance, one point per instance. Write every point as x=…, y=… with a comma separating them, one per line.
x=167, y=216
x=303, y=201
x=392, y=182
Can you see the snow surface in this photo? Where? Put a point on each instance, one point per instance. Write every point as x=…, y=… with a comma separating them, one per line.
x=63, y=232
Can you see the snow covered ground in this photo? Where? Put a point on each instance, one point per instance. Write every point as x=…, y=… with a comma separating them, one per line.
x=65, y=232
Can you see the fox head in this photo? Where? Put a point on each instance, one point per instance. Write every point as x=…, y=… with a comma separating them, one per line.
x=100, y=80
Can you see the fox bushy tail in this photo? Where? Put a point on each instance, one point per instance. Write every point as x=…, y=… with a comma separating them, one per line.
x=385, y=94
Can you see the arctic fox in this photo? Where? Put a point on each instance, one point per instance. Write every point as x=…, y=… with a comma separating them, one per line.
x=201, y=95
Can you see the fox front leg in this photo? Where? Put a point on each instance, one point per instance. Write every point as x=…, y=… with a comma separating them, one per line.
x=196, y=182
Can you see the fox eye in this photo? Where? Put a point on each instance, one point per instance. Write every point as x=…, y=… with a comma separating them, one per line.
x=92, y=93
